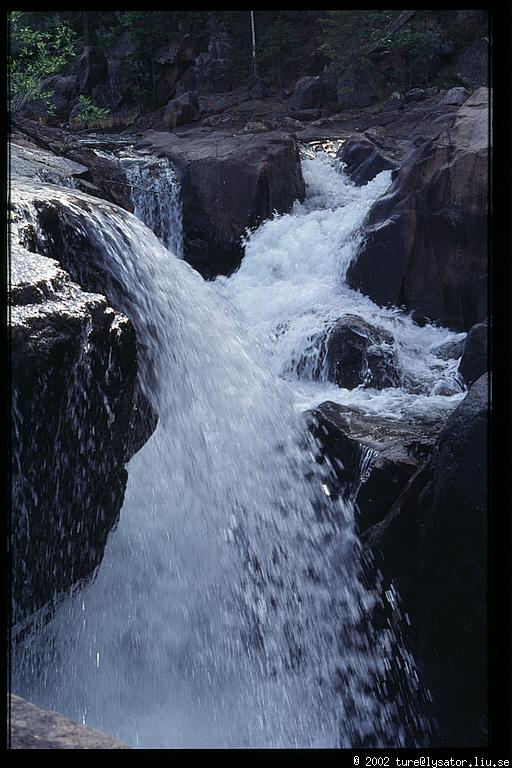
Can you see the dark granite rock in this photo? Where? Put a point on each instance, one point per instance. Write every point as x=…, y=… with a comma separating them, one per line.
x=91, y=69
x=475, y=361
x=360, y=353
x=215, y=67
x=455, y=97
x=115, y=88
x=360, y=84
x=433, y=545
x=367, y=154
x=394, y=102
x=451, y=350
x=472, y=66
x=184, y=109
x=73, y=432
x=372, y=457
x=173, y=61
x=228, y=183
x=419, y=94
x=100, y=177
x=307, y=93
x=425, y=243
x=64, y=91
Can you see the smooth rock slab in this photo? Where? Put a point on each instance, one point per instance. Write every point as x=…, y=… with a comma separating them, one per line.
x=31, y=727
x=102, y=177
x=425, y=240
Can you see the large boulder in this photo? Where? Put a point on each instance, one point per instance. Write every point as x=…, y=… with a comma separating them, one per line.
x=72, y=433
x=228, y=183
x=307, y=93
x=455, y=97
x=419, y=94
x=318, y=61
x=372, y=457
x=425, y=241
x=472, y=66
x=433, y=545
x=474, y=361
x=359, y=353
x=63, y=92
x=184, y=109
x=366, y=154
x=67, y=492
x=394, y=102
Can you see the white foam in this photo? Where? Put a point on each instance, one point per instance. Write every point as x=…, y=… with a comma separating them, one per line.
x=290, y=290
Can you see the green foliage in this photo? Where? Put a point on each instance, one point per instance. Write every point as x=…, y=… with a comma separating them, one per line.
x=88, y=113
x=279, y=48
x=34, y=56
x=42, y=43
x=408, y=52
x=351, y=32
x=150, y=31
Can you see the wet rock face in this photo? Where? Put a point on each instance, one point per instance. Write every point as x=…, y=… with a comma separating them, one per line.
x=433, y=544
x=31, y=727
x=228, y=183
x=474, y=362
x=425, y=244
x=372, y=457
x=360, y=353
x=367, y=154
x=78, y=416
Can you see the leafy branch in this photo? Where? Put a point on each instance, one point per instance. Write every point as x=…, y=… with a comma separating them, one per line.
x=35, y=56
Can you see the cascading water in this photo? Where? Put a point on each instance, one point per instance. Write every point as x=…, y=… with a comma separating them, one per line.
x=290, y=291
x=229, y=608
x=155, y=193
x=154, y=187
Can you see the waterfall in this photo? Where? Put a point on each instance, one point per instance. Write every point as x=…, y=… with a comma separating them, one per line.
x=155, y=193
x=290, y=290
x=229, y=609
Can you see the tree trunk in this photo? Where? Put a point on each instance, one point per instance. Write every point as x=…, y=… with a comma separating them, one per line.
x=253, y=46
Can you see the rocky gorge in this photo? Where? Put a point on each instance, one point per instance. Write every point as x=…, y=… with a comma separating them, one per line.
x=342, y=252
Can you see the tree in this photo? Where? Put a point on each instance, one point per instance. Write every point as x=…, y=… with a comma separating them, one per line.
x=351, y=32
x=253, y=46
x=34, y=56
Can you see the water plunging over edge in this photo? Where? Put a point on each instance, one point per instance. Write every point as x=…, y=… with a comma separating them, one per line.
x=229, y=609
